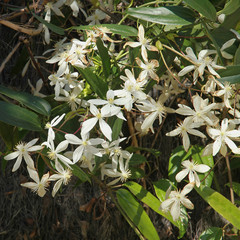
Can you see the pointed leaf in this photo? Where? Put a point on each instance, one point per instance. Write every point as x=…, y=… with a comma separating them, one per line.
x=213, y=233
x=78, y=172
x=136, y=213
x=172, y=15
x=147, y=198
x=221, y=205
x=19, y=117
x=103, y=52
x=230, y=7
x=97, y=84
x=37, y=104
x=204, y=7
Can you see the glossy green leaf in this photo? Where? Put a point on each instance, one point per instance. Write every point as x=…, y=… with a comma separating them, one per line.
x=97, y=84
x=116, y=124
x=213, y=233
x=229, y=71
x=204, y=7
x=123, y=30
x=37, y=104
x=172, y=15
x=51, y=26
x=154, y=203
x=230, y=7
x=103, y=52
x=137, y=159
x=220, y=204
x=136, y=214
x=231, y=79
x=236, y=187
x=161, y=188
x=9, y=135
x=78, y=172
x=194, y=153
x=19, y=117
x=237, y=57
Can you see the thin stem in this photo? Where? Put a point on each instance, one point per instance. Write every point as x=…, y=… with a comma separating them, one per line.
x=230, y=179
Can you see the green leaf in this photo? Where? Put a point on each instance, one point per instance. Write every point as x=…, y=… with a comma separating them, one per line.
x=116, y=124
x=237, y=57
x=213, y=233
x=9, y=135
x=161, y=188
x=195, y=152
x=37, y=104
x=231, y=79
x=230, y=7
x=103, y=52
x=51, y=26
x=136, y=214
x=172, y=15
x=229, y=71
x=147, y=198
x=220, y=204
x=137, y=159
x=78, y=172
x=204, y=7
x=155, y=152
x=97, y=84
x=236, y=187
x=19, y=117
x=123, y=30
x=136, y=173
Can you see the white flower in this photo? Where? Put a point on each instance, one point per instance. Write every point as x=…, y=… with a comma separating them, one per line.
x=155, y=110
x=23, y=151
x=96, y=17
x=122, y=175
x=202, y=111
x=222, y=138
x=36, y=91
x=184, y=128
x=148, y=69
x=50, y=126
x=54, y=153
x=55, y=8
x=38, y=185
x=143, y=42
x=174, y=201
x=109, y=108
x=190, y=169
x=85, y=145
x=62, y=177
x=200, y=64
x=88, y=125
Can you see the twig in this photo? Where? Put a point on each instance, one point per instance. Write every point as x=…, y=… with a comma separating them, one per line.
x=230, y=179
x=28, y=31
x=9, y=56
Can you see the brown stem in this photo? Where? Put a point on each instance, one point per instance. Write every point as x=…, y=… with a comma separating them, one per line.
x=131, y=129
x=230, y=179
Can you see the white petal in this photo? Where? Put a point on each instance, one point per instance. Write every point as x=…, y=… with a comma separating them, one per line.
x=181, y=175
x=106, y=130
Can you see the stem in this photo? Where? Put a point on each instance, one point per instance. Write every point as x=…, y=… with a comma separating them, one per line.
x=230, y=179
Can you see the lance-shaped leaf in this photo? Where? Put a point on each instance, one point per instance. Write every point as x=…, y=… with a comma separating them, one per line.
x=19, y=117
x=136, y=214
x=204, y=7
x=103, y=52
x=213, y=233
x=37, y=104
x=78, y=172
x=172, y=15
x=123, y=30
x=221, y=205
x=97, y=84
x=149, y=199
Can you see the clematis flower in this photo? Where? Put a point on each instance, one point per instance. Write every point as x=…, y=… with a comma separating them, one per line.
x=143, y=42
x=23, y=152
x=174, y=201
x=200, y=64
x=62, y=177
x=148, y=69
x=202, y=111
x=190, y=169
x=85, y=145
x=88, y=125
x=184, y=128
x=96, y=17
x=38, y=186
x=222, y=137
x=36, y=91
x=53, y=123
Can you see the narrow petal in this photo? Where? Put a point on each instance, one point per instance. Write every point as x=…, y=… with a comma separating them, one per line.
x=106, y=130
x=181, y=175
